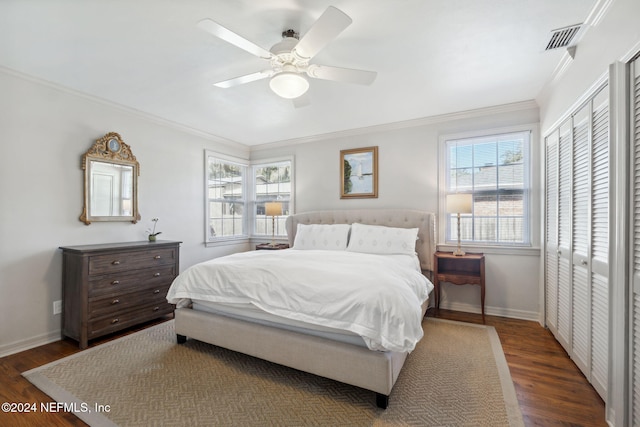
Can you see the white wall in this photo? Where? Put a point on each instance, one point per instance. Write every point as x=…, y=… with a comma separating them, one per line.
x=408, y=178
x=44, y=131
x=613, y=38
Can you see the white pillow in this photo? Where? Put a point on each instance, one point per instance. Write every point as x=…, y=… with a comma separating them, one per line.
x=329, y=237
x=376, y=239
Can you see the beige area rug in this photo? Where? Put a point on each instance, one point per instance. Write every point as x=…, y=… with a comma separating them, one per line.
x=457, y=376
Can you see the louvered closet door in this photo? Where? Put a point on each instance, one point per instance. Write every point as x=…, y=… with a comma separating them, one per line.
x=599, y=264
x=565, y=236
x=635, y=300
x=577, y=237
x=581, y=242
x=551, y=232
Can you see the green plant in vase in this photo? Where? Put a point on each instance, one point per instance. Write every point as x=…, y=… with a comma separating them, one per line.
x=152, y=232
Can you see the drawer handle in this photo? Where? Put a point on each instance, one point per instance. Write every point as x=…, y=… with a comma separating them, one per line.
x=156, y=257
x=115, y=301
x=115, y=321
x=156, y=274
x=156, y=308
x=115, y=282
x=116, y=263
x=157, y=291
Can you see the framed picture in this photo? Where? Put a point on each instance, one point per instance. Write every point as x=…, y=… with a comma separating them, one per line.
x=359, y=173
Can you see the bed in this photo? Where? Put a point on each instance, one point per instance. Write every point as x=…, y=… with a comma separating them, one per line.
x=357, y=355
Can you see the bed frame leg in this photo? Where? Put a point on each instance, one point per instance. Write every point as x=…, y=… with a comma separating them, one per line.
x=181, y=338
x=382, y=400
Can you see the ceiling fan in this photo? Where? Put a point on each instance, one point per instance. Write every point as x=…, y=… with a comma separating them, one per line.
x=289, y=59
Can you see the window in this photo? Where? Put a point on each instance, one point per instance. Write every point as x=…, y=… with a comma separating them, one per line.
x=236, y=193
x=226, y=197
x=495, y=170
x=273, y=183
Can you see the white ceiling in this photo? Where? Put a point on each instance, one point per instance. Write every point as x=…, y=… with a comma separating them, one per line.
x=432, y=57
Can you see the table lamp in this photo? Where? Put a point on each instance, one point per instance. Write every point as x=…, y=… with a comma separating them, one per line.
x=459, y=204
x=273, y=209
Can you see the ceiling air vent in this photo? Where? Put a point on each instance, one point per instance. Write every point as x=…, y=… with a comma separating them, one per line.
x=562, y=37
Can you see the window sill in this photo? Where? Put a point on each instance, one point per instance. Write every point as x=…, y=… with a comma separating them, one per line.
x=493, y=250
x=225, y=242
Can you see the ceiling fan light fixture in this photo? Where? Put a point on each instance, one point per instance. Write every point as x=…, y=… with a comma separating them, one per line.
x=289, y=84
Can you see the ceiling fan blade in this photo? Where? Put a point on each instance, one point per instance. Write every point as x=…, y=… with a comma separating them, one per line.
x=331, y=23
x=302, y=101
x=345, y=75
x=236, y=81
x=229, y=36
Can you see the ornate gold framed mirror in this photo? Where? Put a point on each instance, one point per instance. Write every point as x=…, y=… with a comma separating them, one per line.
x=111, y=174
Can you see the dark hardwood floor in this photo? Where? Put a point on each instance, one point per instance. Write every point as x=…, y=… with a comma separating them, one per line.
x=550, y=388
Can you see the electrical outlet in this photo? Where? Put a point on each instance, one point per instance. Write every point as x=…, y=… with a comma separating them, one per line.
x=57, y=307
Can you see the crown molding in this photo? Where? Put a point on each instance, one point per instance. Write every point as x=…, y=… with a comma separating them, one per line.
x=596, y=86
x=424, y=121
x=598, y=12
x=128, y=110
x=405, y=124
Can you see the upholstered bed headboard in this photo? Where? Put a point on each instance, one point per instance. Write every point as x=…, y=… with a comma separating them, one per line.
x=402, y=218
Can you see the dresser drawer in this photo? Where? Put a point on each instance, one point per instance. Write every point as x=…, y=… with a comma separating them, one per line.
x=131, y=280
x=133, y=260
x=114, y=304
x=123, y=319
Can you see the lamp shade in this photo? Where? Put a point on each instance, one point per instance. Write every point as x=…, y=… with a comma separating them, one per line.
x=459, y=203
x=288, y=84
x=273, y=208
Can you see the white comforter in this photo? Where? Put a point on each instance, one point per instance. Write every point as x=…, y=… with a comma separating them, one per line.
x=378, y=297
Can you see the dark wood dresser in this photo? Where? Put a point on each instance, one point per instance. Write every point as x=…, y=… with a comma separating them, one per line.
x=109, y=287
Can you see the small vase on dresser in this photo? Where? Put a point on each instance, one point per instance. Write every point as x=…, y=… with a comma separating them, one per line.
x=109, y=287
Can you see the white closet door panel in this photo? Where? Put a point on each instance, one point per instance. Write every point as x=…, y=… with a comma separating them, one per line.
x=564, y=303
x=551, y=217
x=599, y=292
x=635, y=354
x=636, y=171
x=581, y=320
x=600, y=179
x=565, y=235
x=581, y=183
x=580, y=280
x=551, y=291
x=600, y=333
x=634, y=357
x=551, y=232
x=564, y=189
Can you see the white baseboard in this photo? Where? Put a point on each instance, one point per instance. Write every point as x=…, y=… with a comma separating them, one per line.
x=29, y=343
x=493, y=311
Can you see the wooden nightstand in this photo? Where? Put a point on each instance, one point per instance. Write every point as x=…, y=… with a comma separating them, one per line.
x=268, y=247
x=467, y=269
